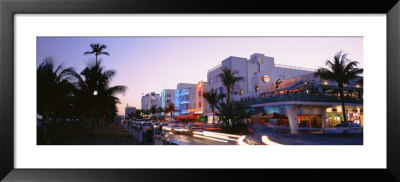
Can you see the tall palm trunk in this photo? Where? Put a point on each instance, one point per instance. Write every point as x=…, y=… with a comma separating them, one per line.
x=92, y=122
x=96, y=58
x=45, y=119
x=212, y=110
x=228, y=96
x=342, y=99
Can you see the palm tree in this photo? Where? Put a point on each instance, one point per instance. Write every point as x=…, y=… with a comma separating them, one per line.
x=53, y=89
x=97, y=50
x=96, y=94
x=213, y=99
x=107, y=101
x=229, y=80
x=170, y=109
x=341, y=70
x=142, y=111
x=153, y=110
x=160, y=110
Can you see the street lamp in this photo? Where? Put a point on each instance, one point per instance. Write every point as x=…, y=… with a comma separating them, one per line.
x=256, y=88
x=95, y=93
x=241, y=92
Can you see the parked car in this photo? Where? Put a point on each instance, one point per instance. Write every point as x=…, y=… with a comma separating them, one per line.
x=345, y=129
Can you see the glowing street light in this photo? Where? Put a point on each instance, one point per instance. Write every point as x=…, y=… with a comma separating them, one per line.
x=95, y=92
x=241, y=92
x=256, y=88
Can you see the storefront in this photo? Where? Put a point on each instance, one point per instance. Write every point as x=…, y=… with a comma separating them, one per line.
x=334, y=115
x=310, y=120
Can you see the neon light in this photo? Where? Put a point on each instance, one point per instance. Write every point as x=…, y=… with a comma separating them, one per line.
x=199, y=99
x=266, y=78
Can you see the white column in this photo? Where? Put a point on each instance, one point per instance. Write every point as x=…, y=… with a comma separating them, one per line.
x=292, y=117
x=323, y=116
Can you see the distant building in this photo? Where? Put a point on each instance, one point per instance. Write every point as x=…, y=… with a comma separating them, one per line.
x=129, y=110
x=202, y=104
x=185, y=97
x=167, y=96
x=149, y=100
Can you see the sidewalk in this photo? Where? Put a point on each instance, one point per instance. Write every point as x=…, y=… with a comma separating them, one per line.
x=112, y=134
x=135, y=134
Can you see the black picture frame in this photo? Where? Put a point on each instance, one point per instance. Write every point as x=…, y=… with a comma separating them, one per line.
x=9, y=8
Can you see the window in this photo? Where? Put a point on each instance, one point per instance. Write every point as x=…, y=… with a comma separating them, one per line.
x=199, y=93
x=199, y=104
x=168, y=95
x=221, y=90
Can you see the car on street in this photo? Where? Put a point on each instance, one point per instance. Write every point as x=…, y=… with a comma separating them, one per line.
x=210, y=127
x=194, y=126
x=344, y=129
x=180, y=129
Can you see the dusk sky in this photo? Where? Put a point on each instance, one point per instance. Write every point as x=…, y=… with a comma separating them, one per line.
x=143, y=64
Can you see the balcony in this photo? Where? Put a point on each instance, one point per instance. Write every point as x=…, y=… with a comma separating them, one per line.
x=299, y=97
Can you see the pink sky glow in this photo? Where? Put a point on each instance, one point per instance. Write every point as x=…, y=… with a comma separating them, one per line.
x=144, y=64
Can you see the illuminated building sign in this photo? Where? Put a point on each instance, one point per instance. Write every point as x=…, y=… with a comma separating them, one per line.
x=199, y=96
x=266, y=78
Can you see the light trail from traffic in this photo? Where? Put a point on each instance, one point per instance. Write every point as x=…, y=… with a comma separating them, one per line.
x=267, y=141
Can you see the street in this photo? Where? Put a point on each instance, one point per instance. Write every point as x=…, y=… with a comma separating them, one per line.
x=197, y=138
x=261, y=136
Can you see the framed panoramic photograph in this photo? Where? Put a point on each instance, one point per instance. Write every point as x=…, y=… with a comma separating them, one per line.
x=137, y=91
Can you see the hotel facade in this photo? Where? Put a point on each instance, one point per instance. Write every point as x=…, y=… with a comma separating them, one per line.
x=150, y=99
x=167, y=96
x=251, y=69
x=189, y=98
x=309, y=102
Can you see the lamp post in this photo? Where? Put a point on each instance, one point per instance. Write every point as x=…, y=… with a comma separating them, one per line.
x=256, y=88
x=95, y=92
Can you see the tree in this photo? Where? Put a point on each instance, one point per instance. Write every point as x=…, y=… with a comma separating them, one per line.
x=225, y=113
x=53, y=89
x=146, y=112
x=153, y=110
x=138, y=113
x=233, y=111
x=213, y=99
x=97, y=50
x=229, y=80
x=341, y=70
x=131, y=115
x=95, y=95
x=170, y=109
x=160, y=110
x=142, y=111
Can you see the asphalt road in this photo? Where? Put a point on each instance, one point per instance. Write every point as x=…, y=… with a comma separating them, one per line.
x=185, y=139
x=191, y=140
